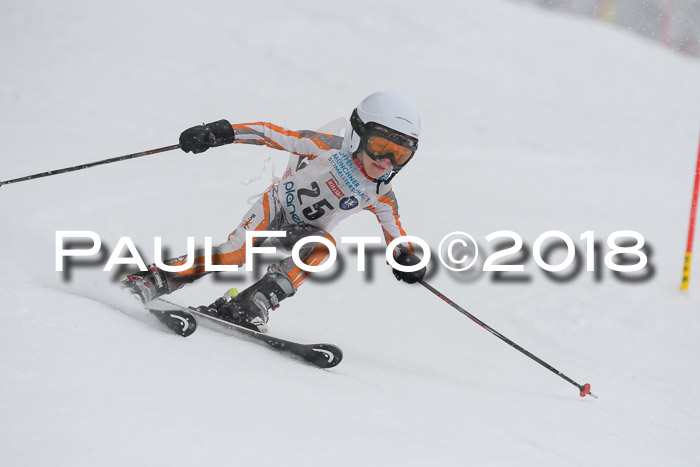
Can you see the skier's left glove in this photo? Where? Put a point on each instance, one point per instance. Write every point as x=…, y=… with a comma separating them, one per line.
x=202, y=137
x=407, y=259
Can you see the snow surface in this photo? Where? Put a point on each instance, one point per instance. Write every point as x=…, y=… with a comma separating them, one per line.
x=532, y=122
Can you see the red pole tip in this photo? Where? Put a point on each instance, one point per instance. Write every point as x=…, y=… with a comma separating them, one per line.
x=586, y=390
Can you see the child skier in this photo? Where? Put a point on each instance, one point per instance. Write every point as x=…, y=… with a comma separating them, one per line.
x=328, y=178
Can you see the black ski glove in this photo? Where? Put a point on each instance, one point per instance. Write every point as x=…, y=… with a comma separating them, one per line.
x=407, y=259
x=202, y=137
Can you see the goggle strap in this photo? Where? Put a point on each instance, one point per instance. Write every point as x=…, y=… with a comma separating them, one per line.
x=357, y=124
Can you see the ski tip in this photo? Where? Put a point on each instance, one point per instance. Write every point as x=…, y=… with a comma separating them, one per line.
x=324, y=355
x=188, y=326
x=586, y=391
x=178, y=321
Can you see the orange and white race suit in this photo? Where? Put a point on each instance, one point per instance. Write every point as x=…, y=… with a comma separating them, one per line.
x=321, y=186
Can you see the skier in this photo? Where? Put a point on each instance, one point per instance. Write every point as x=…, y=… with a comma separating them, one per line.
x=328, y=178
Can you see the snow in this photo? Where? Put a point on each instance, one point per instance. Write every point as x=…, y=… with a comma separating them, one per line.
x=532, y=122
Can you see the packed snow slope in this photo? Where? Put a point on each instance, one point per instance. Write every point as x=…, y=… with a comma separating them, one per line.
x=532, y=122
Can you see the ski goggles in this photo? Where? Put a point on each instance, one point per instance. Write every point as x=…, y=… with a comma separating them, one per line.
x=380, y=142
x=379, y=146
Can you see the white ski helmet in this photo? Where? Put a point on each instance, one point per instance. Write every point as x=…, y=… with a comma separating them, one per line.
x=388, y=112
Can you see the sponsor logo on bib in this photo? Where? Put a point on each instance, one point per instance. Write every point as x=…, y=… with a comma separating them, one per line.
x=348, y=203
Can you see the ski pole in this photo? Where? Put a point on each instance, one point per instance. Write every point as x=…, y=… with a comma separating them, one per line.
x=584, y=388
x=88, y=165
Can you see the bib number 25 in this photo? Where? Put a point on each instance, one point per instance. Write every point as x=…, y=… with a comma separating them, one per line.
x=317, y=209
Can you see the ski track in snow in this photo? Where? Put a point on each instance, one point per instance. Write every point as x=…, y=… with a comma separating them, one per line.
x=532, y=122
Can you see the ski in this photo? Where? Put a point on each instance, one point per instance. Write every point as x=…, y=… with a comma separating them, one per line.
x=179, y=321
x=320, y=355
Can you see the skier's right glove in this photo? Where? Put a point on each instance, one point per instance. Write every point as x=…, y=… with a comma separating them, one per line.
x=202, y=137
x=407, y=259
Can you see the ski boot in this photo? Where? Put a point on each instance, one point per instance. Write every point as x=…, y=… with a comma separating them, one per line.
x=251, y=307
x=146, y=286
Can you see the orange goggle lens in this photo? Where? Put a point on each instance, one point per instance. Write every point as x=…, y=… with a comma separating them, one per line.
x=379, y=148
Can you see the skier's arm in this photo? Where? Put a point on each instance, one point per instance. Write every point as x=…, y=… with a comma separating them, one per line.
x=387, y=212
x=303, y=143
